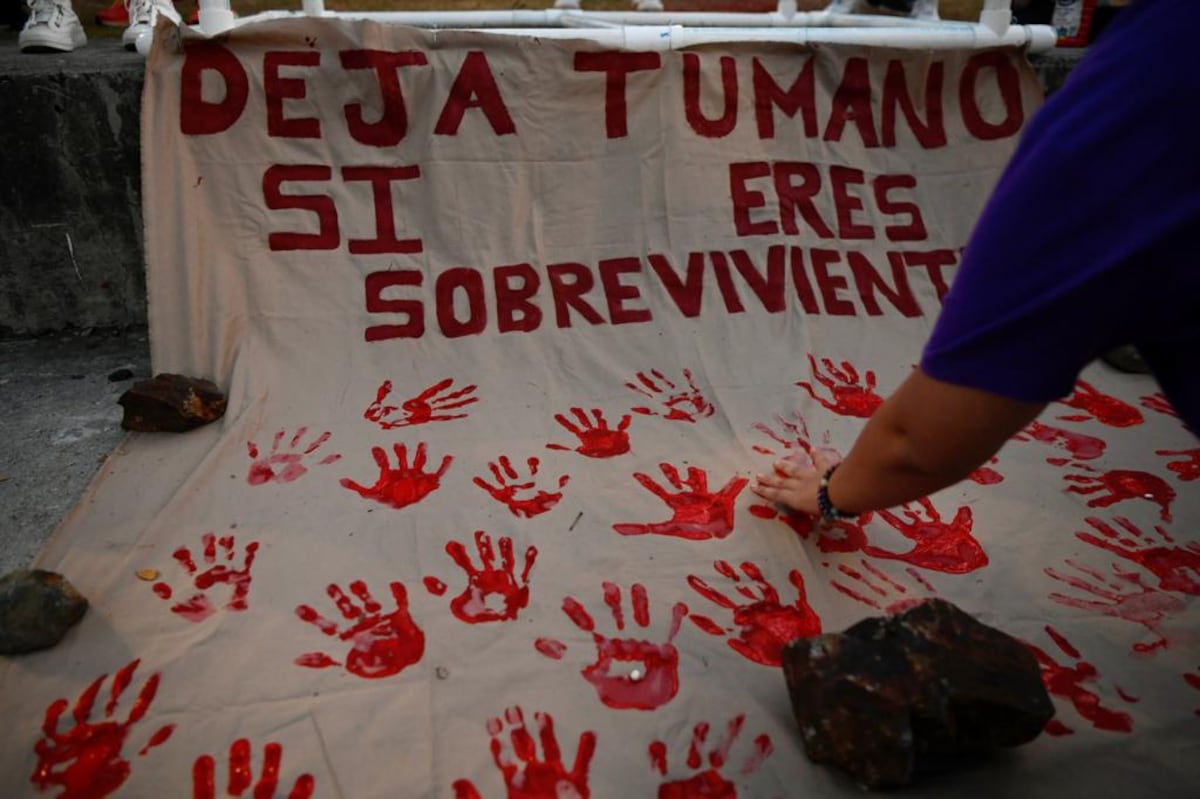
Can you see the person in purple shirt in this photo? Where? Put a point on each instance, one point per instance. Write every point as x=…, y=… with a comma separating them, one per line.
x=1090, y=241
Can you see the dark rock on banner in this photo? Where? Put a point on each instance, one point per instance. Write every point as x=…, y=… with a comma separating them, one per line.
x=892, y=697
x=172, y=404
x=36, y=609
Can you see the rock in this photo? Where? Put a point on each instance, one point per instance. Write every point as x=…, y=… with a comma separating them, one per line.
x=120, y=374
x=892, y=697
x=36, y=610
x=171, y=403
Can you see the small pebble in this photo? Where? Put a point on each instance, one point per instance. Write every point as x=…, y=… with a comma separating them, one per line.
x=442, y=672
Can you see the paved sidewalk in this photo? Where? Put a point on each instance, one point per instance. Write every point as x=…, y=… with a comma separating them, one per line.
x=60, y=421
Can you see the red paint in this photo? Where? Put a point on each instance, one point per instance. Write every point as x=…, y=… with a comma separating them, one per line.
x=199, y=607
x=1188, y=465
x=1176, y=567
x=596, y=438
x=939, y=546
x=1079, y=446
x=286, y=466
x=85, y=760
x=1121, y=596
x=985, y=475
x=677, y=404
x=403, y=485
x=381, y=644
x=241, y=775
x=880, y=591
x=431, y=405
x=492, y=594
x=709, y=783
x=616, y=658
x=506, y=491
x=1101, y=407
x=434, y=586
x=550, y=648
x=698, y=514
x=850, y=396
x=762, y=624
x=1160, y=404
x=1121, y=692
x=793, y=438
x=528, y=775
x=841, y=536
x=1119, y=485
x=1068, y=682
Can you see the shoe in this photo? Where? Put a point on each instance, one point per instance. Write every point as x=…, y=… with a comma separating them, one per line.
x=142, y=16
x=52, y=27
x=115, y=16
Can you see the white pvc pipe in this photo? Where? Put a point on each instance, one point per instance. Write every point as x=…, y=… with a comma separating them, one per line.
x=664, y=38
x=635, y=31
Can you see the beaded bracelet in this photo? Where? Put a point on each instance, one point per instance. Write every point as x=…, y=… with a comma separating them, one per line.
x=829, y=512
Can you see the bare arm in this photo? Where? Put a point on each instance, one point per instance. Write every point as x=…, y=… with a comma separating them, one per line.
x=928, y=435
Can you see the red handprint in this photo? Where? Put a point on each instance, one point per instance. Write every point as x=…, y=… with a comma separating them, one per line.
x=849, y=396
x=1188, y=465
x=841, y=536
x=596, y=438
x=793, y=440
x=506, y=492
x=709, y=783
x=1123, y=596
x=199, y=607
x=1068, y=682
x=1193, y=679
x=488, y=586
x=528, y=777
x=1160, y=404
x=654, y=679
x=1079, y=446
x=886, y=589
x=698, y=515
x=679, y=405
x=284, y=467
x=403, y=485
x=425, y=407
x=1119, y=485
x=240, y=775
x=762, y=625
x=1105, y=409
x=985, y=475
x=382, y=644
x=938, y=546
x=85, y=761
x=1176, y=567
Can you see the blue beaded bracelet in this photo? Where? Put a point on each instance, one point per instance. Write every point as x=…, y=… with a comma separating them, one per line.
x=829, y=511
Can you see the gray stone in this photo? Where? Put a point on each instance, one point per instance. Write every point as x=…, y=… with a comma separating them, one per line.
x=896, y=696
x=36, y=609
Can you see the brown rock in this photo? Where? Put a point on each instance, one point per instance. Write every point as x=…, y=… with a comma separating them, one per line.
x=36, y=610
x=892, y=697
x=171, y=403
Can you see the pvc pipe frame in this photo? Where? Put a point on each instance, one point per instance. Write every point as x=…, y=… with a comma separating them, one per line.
x=660, y=31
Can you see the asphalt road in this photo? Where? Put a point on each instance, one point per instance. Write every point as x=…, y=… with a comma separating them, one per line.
x=59, y=420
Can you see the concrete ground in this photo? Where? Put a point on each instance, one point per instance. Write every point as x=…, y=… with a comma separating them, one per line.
x=60, y=421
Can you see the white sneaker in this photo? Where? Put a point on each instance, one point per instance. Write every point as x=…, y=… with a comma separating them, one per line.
x=52, y=27
x=142, y=16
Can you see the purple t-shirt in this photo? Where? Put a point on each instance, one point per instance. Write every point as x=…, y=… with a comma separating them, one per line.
x=1091, y=239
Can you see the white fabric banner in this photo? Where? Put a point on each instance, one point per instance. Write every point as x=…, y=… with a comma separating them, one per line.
x=507, y=325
